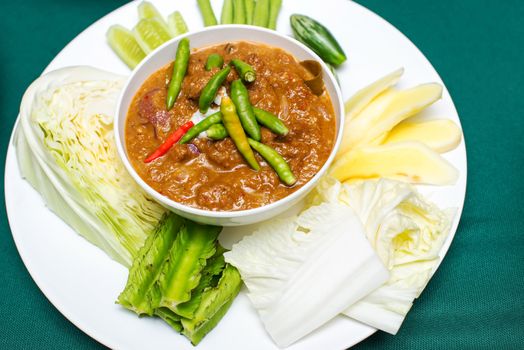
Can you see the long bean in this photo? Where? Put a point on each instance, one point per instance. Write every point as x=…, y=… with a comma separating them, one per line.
x=276, y=161
x=207, y=13
x=244, y=70
x=274, y=9
x=203, y=125
x=236, y=132
x=217, y=132
x=210, y=90
x=239, y=12
x=227, y=12
x=261, y=15
x=270, y=121
x=240, y=97
x=250, y=7
x=179, y=72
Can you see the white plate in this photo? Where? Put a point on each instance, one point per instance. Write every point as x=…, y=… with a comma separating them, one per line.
x=83, y=283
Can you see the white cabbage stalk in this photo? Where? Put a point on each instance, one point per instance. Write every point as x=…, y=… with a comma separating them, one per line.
x=66, y=150
x=302, y=271
x=406, y=231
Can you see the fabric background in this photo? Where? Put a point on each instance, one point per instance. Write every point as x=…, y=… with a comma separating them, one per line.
x=475, y=300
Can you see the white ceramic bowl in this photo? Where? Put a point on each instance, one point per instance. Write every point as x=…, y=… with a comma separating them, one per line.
x=214, y=36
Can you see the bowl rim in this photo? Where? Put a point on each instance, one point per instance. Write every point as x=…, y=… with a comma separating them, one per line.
x=231, y=214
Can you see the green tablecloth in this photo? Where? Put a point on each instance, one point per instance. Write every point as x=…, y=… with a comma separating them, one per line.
x=476, y=299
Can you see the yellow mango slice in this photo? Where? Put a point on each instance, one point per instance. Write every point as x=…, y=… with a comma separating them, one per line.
x=441, y=135
x=409, y=161
x=364, y=96
x=382, y=114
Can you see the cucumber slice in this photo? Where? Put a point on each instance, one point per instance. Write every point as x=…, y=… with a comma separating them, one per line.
x=147, y=10
x=150, y=33
x=176, y=23
x=124, y=44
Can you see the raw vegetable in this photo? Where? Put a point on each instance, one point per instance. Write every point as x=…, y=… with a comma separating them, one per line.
x=227, y=12
x=217, y=132
x=176, y=24
x=236, y=132
x=276, y=161
x=441, y=135
x=250, y=7
x=240, y=97
x=179, y=72
x=405, y=230
x=209, y=92
x=261, y=15
x=318, y=38
x=66, y=149
x=239, y=12
x=270, y=121
x=147, y=10
x=169, y=142
x=302, y=271
x=124, y=44
x=274, y=9
x=409, y=161
x=207, y=13
x=150, y=33
x=202, y=126
x=244, y=70
x=180, y=275
x=214, y=61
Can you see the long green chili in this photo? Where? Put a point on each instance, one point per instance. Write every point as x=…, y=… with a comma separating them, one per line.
x=203, y=125
x=217, y=132
x=270, y=121
x=240, y=97
x=276, y=161
x=210, y=90
x=214, y=61
x=236, y=132
x=244, y=70
x=179, y=72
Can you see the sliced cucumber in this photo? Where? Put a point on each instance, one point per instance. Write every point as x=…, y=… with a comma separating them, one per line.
x=124, y=44
x=150, y=33
x=147, y=10
x=176, y=24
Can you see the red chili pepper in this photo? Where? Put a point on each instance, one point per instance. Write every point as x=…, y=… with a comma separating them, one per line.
x=169, y=142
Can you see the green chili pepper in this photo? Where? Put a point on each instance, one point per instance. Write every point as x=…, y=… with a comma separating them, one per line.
x=270, y=121
x=210, y=90
x=240, y=97
x=244, y=70
x=217, y=132
x=236, y=132
x=275, y=160
x=179, y=72
x=214, y=61
x=261, y=15
x=207, y=13
x=203, y=125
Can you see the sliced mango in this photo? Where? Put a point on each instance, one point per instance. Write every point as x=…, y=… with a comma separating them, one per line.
x=374, y=120
x=364, y=96
x=441, y=135
x=409, y=161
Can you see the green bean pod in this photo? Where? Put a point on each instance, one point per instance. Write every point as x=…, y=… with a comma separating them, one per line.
x=227, y=12
x=270, y=121
x=207, y=13
x=210, y=90
x=239, y=12
x=203, y=125
x=244, y=70
x=276, y=161
x=214, y=61
x=250, y=7
x=274, y=9
x=179, y=72
x=261, y=15
x=240, y=98
x=236, y=132
x=217, y=132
